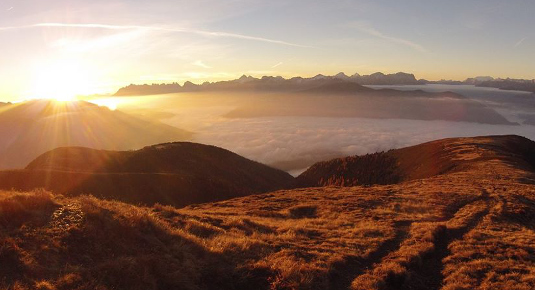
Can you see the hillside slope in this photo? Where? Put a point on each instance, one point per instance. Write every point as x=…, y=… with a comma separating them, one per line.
x=415, y=162
x=468, y=228
x=174, y=173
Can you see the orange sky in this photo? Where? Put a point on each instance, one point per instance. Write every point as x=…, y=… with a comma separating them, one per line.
x=62, y=48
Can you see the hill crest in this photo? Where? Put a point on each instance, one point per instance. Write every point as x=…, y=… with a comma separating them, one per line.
x=177, y=174
x=420, y=161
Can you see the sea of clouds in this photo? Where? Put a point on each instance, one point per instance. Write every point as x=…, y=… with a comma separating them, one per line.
x=293, y=144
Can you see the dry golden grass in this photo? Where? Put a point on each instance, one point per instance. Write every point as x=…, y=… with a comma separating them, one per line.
x=472, y=229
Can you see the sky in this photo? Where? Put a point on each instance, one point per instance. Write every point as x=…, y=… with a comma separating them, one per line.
x=60, y=47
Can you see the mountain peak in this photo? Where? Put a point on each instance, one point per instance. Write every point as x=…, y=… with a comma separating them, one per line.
x=189, y=84
x=318, y=77
x=378, y=74
x=341, y=76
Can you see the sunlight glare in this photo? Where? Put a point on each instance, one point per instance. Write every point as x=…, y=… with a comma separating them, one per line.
x=61, y=81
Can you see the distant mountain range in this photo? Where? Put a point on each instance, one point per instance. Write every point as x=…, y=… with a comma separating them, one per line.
x=336, y=96
x=280, y=84
x=175, y=174
x=510, y=84
x=490, y=82
x=270, y=83
x=31, y=128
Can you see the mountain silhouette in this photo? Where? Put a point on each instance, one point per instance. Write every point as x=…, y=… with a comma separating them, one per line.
x=31, y=128
x=270, y=84
x=509, y=84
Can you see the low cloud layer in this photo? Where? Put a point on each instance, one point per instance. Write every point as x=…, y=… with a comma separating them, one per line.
x=295, y=143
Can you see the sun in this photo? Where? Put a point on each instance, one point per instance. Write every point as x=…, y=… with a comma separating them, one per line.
x=61, y=80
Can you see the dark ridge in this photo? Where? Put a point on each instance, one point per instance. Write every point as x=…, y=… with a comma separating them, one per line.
x=376, y=168
x=173, y=173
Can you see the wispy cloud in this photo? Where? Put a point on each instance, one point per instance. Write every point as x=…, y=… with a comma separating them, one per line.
x=519, y=43
x=157, y=28
x=278, y=64
x=98, y=43
x=10, y=8
x=368, y=29
x=189, y=76
x=7, y=28
x=201, y=64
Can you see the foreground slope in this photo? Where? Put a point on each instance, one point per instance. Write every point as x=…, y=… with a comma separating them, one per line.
x=176, y=174
x=468, y=228
x=31, y=128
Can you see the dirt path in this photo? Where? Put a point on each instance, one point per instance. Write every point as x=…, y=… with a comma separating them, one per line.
x=428, y=274
x=424, y=269
x=343, y=273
